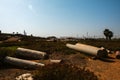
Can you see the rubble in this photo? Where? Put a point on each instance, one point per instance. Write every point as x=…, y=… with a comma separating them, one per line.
x=26, y=76
x=55, y=61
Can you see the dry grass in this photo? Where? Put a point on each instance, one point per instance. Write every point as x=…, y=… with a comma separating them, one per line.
x=63, y=72
x=58, y=50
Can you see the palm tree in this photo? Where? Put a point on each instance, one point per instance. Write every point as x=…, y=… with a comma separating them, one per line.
x=108, y=34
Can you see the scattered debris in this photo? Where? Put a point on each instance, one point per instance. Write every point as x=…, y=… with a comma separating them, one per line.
x=108, y=51
x=26, y=76
x=117, y=53
x=55, y=61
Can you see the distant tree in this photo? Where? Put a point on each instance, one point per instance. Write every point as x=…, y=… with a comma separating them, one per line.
x=0, y=32
x=51, y=37
x=13, y=33
x=17, y=33
x=25, y=33
x=108, y=34
x=31, y=35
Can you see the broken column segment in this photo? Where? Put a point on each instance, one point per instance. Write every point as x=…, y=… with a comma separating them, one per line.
x=117, y=53
x=55, y=61
x=22, y=63
x=34, y=54
x=88, y=49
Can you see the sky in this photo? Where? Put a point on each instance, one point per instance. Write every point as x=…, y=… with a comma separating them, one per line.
x=73, y=18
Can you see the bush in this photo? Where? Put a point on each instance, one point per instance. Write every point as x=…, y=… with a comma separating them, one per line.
x=6, y=51
x=9, y=44
x=63, y=72
x=51, y=47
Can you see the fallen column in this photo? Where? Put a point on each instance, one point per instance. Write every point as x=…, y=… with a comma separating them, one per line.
x=90, y=50
x=22, y=63
x=31, y=53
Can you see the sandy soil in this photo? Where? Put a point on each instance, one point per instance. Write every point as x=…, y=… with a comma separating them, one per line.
x=105, y=70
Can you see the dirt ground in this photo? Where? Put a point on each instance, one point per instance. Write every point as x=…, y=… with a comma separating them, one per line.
x=104, y=70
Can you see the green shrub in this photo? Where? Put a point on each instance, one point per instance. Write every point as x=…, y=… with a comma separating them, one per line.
x=7, y=51
x=63, y=72
x=9, y=44
x=51, y=47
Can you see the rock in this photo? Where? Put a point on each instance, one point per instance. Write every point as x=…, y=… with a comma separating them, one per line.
x=26, y=76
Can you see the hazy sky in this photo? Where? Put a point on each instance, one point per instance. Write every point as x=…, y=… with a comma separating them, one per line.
x=60, y=17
